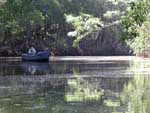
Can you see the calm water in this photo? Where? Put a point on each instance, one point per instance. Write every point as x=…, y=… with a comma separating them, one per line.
x=75, y=85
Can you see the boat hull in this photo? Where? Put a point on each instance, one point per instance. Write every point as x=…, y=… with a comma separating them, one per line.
x=40, y=56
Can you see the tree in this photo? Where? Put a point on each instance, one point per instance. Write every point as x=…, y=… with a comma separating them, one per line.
x=44, y=22
x=136, y=27
x=84, y=25
x=16, y=17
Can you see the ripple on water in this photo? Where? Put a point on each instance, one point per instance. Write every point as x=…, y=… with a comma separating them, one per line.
x=35, y=107
x=6, y=99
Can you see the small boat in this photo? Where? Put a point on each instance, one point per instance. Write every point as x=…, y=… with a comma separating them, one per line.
x=40, y=56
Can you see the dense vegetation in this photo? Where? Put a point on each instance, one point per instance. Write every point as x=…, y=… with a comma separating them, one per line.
x=136, y=27
x=73, y=27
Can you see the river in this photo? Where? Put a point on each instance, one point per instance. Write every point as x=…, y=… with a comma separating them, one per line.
x=75, y=85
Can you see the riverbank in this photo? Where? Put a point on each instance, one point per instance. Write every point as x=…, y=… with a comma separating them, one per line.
x=83, y=58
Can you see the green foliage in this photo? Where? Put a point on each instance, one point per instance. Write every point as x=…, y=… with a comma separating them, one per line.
x=140, y=44
x=136, y=16
x=136, y=26
x=15, y=15
x=84, y=26
x=44, y=21
x=111, y=14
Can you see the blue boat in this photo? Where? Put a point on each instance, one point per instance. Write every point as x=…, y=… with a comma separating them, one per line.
x=40, y=56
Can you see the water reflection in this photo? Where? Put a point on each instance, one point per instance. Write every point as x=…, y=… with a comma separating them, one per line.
x=64, y=68
x=81, y=90
x=136, y=93
x=35, y=68
x=60, y=96
x=74, y=87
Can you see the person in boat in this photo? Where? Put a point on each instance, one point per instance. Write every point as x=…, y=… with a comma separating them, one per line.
x=32, y=51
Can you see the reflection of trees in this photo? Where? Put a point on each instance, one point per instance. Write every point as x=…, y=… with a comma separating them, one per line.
x=45, y=94
x=42, y=99
x=81, y=90
x=137, y=91
x=8, y=67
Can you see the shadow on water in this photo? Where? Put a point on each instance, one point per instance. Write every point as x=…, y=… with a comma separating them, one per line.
x=70, y=87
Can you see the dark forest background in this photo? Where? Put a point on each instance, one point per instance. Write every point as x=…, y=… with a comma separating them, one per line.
x=66, y=27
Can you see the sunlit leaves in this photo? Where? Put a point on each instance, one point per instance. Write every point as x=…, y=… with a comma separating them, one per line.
x=111, y=14
x=84, y=25
x=135, y=17
x=136, y=26
x=141, y=43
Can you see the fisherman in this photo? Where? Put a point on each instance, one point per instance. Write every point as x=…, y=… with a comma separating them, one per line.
x=32, y=51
